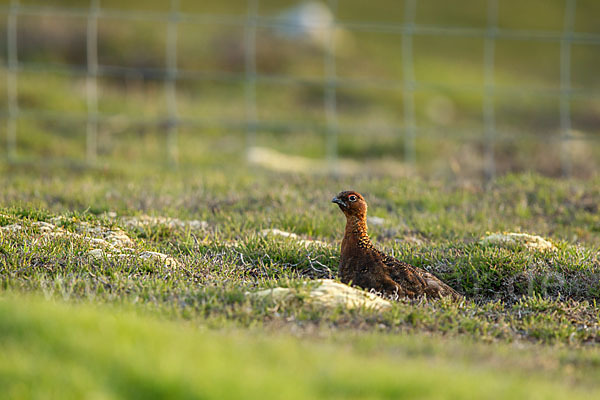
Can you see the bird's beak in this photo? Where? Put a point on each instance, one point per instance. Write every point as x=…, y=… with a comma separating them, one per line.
x=339, y=201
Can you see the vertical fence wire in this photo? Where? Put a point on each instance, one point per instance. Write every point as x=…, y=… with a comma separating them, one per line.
x=171, y=84
x=92, y=82
x=565, y=87
x=489, y=120
x=330, y=90
x=250, y=73
x=408, y=97
x=12, y=76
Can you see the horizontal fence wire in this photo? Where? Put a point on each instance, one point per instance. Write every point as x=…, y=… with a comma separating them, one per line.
x=275, y=22
x=160, y=74
x=331, y=82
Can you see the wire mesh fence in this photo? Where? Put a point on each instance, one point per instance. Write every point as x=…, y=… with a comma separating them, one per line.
x=171, y=74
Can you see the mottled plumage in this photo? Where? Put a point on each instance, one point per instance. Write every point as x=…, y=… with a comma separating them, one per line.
x=361, y=264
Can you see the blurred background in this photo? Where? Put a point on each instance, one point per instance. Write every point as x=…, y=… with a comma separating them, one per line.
x=431, y=87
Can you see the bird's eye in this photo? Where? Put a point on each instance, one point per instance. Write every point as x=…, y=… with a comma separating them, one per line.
x=352, y=197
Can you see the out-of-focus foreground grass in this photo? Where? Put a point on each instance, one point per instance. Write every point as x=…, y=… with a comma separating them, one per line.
x=53, y=350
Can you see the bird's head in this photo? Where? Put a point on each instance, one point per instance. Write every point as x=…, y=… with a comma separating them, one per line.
x=351, y=203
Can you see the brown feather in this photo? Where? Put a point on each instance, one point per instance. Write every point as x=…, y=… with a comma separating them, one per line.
x=361, y=264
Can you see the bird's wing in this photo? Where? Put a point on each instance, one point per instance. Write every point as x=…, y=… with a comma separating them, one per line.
x=415, y=279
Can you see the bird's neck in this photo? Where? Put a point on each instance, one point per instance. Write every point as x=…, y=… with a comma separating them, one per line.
x=356, y=232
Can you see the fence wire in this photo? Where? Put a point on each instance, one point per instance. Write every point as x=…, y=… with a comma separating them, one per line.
x=331, y=83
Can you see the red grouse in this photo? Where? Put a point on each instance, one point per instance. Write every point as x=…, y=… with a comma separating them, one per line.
x=361, y=264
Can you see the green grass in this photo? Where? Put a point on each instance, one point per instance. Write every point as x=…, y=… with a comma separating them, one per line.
x=53, y=350
x=450, y=138
x=529, y=324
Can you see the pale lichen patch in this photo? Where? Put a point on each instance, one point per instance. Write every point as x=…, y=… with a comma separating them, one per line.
x=328, y=293
x=513, y=239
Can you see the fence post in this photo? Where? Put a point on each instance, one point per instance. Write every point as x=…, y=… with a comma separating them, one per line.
x=565, y=87
x=171, y=84
x=330, y=91
x=12, y=77
x=250, y=78
x=92, y=82
x=410, y=8
x=489, y=120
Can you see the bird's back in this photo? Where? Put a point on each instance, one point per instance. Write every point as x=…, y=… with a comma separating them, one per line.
x=369, y=268
x=416, y=280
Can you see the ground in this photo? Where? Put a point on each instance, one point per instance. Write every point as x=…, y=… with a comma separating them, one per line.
x=76, y=293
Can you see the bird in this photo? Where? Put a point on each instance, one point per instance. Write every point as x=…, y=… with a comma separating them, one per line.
x=362, y=265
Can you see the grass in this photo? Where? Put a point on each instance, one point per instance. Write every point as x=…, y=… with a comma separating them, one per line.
x=55, y=350
x=370, y=118
x=89, y=309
